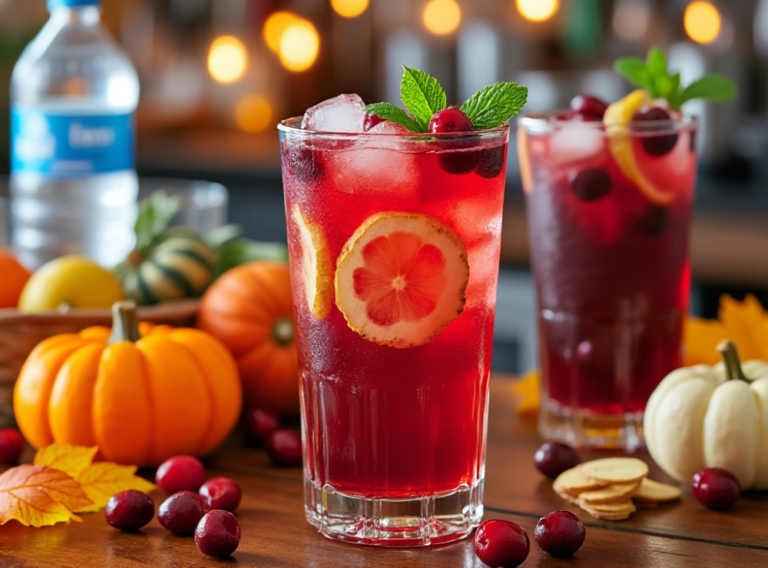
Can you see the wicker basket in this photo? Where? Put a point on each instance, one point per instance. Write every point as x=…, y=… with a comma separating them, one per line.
x=20, y=333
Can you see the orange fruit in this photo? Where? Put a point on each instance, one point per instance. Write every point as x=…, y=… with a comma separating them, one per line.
x=13, y=277
x=401, y=279
x=316, y=264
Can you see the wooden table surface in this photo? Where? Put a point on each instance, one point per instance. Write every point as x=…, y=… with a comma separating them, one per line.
x=275, y=534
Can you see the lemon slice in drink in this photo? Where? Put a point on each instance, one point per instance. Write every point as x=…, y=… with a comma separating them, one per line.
x=401, y=279
x=617, y=118
x=316, y=264
x=526, y=173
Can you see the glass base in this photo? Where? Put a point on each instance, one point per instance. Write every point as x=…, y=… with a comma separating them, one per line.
x=420, y=521
x=589, y=431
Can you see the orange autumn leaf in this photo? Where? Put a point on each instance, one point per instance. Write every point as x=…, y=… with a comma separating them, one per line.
x=527, y=391
x=746, y=324
x=702, y=336
x=39, y=496
x=99, y=480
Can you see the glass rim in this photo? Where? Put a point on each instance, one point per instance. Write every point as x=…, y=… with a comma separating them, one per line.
x=541, y=122
x=289, y=127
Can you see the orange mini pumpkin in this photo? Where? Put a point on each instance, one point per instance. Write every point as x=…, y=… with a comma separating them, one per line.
x=14, y=277
x=250, y=310
x=140, y=399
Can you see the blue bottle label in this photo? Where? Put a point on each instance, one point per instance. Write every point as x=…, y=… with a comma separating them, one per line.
x=66, y=145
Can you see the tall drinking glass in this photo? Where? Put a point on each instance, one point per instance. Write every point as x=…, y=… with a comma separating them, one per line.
x=608, y=213
x=394, y=242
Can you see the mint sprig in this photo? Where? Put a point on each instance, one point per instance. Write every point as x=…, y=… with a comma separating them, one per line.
x=653, y=76
x=423, y=96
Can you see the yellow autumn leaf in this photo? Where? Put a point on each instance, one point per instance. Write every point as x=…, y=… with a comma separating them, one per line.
x=72, y=460
x=39, y=496
x=527, y=391
x=103, y=479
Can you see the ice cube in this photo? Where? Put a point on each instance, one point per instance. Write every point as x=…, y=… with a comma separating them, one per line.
x=388, y=127
x=377, y=170
x=483, y=273
x=344, y=113
x=575, y=141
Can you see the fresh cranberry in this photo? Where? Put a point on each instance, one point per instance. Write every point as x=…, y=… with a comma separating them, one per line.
x=181, y=512
x=11, y=446
x=305, y=164
x=459, y=162
x=659, y=144
x=590, y=184
x=559, y=533
x=553, y=458
x=501, y=544
x=284, y=447
x=653, y=220
x=129, y=510
x=220, y=493
x=258, y=424
x=715, y=488
x=370, y=121
x=218, y=534
x=587, y=108
x=491, y=162
x=180, y=473
x=450, y=120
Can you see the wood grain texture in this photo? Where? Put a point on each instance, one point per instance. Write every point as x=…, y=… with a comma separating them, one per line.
x=275, y=534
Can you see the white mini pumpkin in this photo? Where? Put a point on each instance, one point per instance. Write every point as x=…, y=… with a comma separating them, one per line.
x=703, y=416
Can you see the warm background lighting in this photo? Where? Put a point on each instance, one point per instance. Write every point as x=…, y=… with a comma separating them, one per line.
x=442, y=17
x=349, y=8
x=702, y=22
x=275, y=27
x=299, y=45
x=253, y=113
x=537, y=10
x=227, y=59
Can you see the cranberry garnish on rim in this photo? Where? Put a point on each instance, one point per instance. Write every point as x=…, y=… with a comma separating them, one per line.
x=181, y=512
x=587, y=107
x=715, y=488
x=218, y=534
x=590, y=184
x=180, y=473
x=221, y=493
x=129, y=510
x=553, y=458
x=284, y=447
x=450, y=120
x=11, y=446
x=656, y=144
x=501, y=544
x=370, y=121
x=258, y=424
x=559, y=533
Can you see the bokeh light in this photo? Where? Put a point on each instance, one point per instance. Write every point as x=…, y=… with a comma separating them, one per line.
x=253, y=113
x=227, y=59
x=537, y=10
x=299, y=46
x=702, y=22
x=442, y=17
x=349, y=8
x=275, y=27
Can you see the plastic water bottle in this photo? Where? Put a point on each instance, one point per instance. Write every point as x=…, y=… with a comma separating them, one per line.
x=73, y=184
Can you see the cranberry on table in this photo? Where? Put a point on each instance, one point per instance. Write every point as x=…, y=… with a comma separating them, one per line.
x=587, y=107
x=284, y=447
x=218, y=534
x=258, y=424
x=590, y=184
x=180, y=473
x=715, y=488
x=553, y=458
x=11, y=446
x=181, y=512
x=220, y=493
x=370, y=121
x=559, y=534
x=501, y=544
x=656, y=144
x=129, y=510
x=450, y=120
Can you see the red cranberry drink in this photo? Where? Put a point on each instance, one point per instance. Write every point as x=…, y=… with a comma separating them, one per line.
x=609, y=191
x=394, y=233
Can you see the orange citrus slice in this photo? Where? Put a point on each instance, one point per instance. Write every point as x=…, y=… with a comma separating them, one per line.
x=401, y=279
x=525, y=160
x=617, y=118
x=316, y=265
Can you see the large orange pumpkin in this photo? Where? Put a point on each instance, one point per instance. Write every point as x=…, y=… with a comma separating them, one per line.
x=13, y=277
x=140, y=399
x=250, y=310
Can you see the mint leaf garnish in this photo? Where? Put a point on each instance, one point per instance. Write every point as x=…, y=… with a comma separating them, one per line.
x=422, y=95
x=494, y=105
x=653, y=76
x=392, y=113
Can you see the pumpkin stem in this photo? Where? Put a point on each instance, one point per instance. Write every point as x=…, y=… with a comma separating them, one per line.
x=135, y=259
x=732, y=362
x=283, y=332
x=125, y=322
